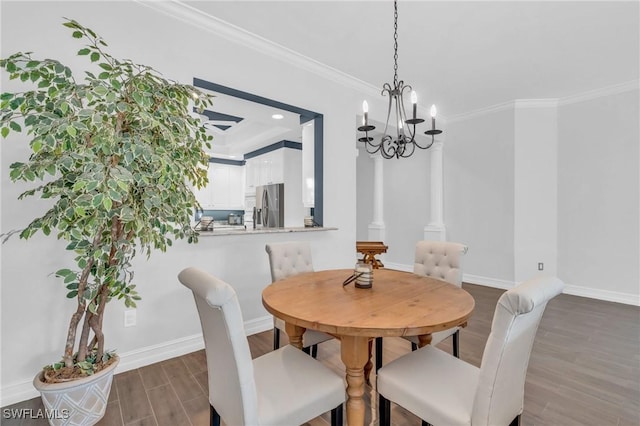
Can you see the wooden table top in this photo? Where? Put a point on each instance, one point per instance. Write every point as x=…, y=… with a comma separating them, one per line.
x=398, y=304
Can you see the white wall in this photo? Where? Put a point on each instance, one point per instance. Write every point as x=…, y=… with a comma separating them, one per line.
x=598, y=196
x=406, y=205
x=406, y=198
x=364, y=194
x=479, y=193
x=34, y=310
x=535, y=189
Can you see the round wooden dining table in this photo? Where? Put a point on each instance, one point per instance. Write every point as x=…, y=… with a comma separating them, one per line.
x=397, y=304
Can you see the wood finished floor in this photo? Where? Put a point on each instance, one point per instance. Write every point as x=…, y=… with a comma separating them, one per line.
x=584, y=370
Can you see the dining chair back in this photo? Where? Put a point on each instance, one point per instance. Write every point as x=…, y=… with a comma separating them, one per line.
x=442, y=260
x=287, y=259
x=500, y=393
x=444, y=390
x=264, y=391
x=232, y=389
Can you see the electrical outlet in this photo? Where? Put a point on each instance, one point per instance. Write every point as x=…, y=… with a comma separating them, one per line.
x=540, y=266
x=130, y=318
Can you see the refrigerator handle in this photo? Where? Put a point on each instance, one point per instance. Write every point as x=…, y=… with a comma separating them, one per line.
x=265, y=209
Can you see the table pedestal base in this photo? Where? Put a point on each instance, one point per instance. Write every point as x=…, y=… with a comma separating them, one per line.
x=354, y=351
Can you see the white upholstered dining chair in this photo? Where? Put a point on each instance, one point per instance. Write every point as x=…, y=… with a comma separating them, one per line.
x=442, y=260
x=444, y=390
x=287, y=259
x=268, y=390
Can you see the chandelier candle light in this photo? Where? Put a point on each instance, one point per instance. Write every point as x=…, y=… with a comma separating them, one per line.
x=404, y=144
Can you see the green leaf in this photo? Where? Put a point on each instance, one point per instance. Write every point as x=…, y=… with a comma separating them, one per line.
x=64, y=272
x=105, y=66
x=37, y=145
x=72, y=294
x=5, y=132
x=6, y=96
x=107, y=203
x=104, y=75
x=15, y=126
x=100, y=90
x=95, y=56
x=77, y=34
x=137, y=97
x=71, y=131
x=83, y=52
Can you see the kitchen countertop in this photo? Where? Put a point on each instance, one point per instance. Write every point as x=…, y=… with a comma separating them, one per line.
x=251, y=231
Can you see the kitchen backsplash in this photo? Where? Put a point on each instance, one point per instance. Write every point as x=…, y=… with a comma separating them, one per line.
x=218, y=215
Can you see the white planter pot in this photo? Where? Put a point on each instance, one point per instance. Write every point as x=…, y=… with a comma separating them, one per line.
x=79, y=402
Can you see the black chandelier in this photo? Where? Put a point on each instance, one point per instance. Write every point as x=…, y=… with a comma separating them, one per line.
x=404, y=144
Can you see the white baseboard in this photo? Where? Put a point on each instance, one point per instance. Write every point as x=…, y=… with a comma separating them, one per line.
x=14, y=393
x=609, y=296
x=398, y=266
x=574, y=290
x=488, y=282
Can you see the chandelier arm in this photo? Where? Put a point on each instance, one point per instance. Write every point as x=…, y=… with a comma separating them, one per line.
x=399, y=118
x=406, y=153
x=411, y=130
x=386, y=126
x=367, y=145
x=428, y=145
x=389, y=147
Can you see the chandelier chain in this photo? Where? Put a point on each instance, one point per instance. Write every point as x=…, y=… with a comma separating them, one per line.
x=395, y=43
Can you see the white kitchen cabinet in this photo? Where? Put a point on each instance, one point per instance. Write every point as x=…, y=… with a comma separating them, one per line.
x=225, y=190
x=236, y=188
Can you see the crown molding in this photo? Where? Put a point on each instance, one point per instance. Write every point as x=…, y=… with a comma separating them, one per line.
x=598, y=93
x=481, y=111
x=183, y=12
x=536, y=103
x=196, y=18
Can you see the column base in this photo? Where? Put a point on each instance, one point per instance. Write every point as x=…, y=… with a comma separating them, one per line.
x=377, y=231
x=435, y=232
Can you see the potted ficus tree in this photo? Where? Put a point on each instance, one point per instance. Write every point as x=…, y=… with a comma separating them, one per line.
x=117, y=155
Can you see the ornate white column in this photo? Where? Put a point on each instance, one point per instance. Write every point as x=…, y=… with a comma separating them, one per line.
x=377, y=226
x=435, y=230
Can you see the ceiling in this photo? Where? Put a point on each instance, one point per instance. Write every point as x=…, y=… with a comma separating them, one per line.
x=250, y=125
x=462, y=56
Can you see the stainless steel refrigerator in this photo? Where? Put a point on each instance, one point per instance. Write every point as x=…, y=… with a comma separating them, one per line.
x=270, y=206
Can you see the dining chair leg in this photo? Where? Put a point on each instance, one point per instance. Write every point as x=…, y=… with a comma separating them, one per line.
x=384, y=411
x=516, y=421
x=314, y=351
x=414, y=347
x=426, y=423
x=336, y=416
x=214, y=416
x=378, y=353
x=307, y=350
x=276, y=338
x=456, y=344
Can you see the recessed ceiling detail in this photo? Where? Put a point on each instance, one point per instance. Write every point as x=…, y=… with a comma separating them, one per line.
x=219, y=116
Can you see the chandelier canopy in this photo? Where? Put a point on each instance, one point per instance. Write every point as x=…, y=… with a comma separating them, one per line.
x=403, y=143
